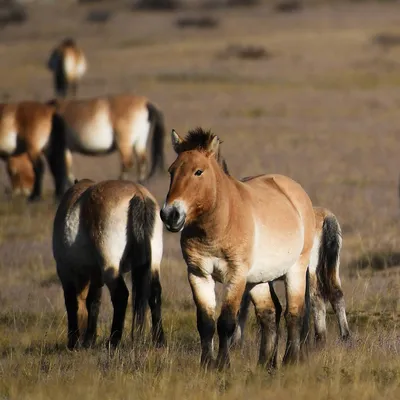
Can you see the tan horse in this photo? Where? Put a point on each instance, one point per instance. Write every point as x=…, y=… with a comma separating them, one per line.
x=120, y=122
x=102, y=231
x=22, y=176
x=325, y=282
x=242, y=234
x=35, y=129
x=68, y=65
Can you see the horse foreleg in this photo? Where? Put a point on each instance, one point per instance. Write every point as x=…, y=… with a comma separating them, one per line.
x=38, y=169
x=226, y=325
x=203, y=290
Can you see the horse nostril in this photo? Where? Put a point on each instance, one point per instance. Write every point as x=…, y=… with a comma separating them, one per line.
x=174, y=215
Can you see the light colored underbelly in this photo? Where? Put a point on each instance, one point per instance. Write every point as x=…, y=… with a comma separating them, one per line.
x=8, y=142
x=96, y=136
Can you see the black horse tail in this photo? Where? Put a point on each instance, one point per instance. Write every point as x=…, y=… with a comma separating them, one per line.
x=156, y=119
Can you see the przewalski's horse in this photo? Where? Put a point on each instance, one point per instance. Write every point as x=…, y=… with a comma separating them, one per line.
x=120, y=122
x=22, y=176
x=102, y=231
x=35, y=129
x=68, y=65
x=242, y=234
x=325, y=282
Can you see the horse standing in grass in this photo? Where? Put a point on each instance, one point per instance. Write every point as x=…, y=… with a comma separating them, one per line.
x=325, y=282
x=242, y=234
x=35, y=129
x=102, y=231
x=68, y=65
x=120, y=122
x=22, y=176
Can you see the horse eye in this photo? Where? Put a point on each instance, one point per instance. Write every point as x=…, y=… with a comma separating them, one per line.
x=198, y=172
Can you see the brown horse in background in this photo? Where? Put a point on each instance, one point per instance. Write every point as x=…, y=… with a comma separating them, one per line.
x=35, y=129
x=120, y=123
x=102, y=231
x=68, y=65
x=325, y=282
x=22, y=176
x=243, y=234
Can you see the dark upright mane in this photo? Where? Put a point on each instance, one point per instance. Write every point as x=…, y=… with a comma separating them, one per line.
x=199, y=139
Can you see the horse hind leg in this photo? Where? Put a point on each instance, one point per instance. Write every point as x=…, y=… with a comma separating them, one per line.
x=336, y=298
x=238, y=336
x=140, y=298
x=155, y=307
x=119, y=298
x=126, y=154
x=268, y=312
x=71, y=304
x=318, y=311
x=296, y=314
x=93, y=301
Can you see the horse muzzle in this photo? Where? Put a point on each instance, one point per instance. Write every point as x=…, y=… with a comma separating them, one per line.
x=173, y=216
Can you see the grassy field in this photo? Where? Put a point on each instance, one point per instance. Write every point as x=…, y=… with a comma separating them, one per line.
x=323, y=107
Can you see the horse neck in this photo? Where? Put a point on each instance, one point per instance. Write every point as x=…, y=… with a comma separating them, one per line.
x=226, y=205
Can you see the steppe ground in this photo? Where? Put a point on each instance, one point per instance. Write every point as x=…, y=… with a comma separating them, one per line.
x=323, y=108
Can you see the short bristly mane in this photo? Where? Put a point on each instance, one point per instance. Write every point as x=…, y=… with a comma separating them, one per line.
x=199, y=139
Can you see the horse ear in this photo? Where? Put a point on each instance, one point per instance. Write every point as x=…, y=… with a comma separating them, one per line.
x=176, y=140
x=213, y=147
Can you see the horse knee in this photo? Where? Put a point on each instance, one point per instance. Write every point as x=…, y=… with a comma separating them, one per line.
x=226, y=324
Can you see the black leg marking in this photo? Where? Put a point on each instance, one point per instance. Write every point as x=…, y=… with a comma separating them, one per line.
x=71, y=304
x=38, y=168
x=119, y=299
x=93, y=306
x=155, y=307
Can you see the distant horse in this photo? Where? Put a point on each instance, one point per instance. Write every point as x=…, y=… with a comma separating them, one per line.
x=325, y=282
x=68, y=64
x=102, y=231
x=22, y=176
x=242, y=234
x=120, y=122
x=35, y=129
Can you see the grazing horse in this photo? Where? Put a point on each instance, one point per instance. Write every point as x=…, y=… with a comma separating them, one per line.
x=120, y=122
x=325, y=282
x=68, y=65
x=102, y=231
x=242, y=234
x=22, y=176
x=35, y=129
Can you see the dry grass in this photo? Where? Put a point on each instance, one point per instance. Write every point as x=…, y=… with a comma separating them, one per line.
x=324, y=110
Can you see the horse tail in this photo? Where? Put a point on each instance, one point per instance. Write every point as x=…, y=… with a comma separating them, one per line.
x=56, y=154
x=305, y=328
x=156, y=119
x=142, y=214
x=328, y=259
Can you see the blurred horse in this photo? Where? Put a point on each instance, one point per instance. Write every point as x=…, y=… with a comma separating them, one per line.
x=68, y=65
x=242, y=234
x=325, y=282
x=120, y=123
x=35, y=129
x=22, y=176
x=102, y=231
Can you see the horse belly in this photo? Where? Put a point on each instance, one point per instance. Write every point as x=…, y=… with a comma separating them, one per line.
x=94, y=137
x=274, y=255
x=8, y=142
